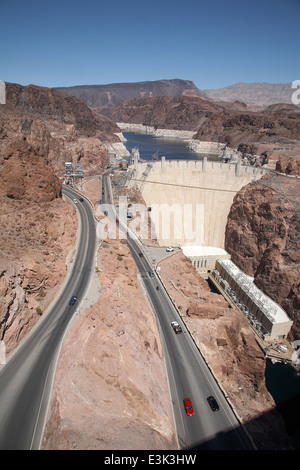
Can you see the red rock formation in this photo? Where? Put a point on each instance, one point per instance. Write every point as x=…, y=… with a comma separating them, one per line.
x=26, y=174
x=47, y=104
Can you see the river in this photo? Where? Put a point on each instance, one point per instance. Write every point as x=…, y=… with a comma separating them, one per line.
x=171, y=148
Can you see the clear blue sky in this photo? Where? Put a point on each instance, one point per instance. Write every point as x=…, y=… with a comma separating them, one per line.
x=214, y=43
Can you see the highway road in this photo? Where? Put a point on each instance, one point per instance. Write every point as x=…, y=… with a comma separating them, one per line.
x=26, y=378
x=188, y=374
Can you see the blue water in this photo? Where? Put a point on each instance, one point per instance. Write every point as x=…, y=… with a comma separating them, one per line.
x=171, y=148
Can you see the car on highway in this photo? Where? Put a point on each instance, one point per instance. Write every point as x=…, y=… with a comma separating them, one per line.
x=151, y=273
x=188, y=407
x=176, y=327
x=75, y=201
x=141, y=254
x=169, y=249
x=81, y=199
x=213, y=403
x=73, y=300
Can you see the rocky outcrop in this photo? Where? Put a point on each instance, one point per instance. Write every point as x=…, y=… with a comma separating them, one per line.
x=62, y=127
x=26, y=174
x=36, y=238
x=262, y=236
x=46, y=104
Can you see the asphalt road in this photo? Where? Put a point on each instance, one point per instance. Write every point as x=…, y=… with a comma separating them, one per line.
x=26, y=378
x=188, y=374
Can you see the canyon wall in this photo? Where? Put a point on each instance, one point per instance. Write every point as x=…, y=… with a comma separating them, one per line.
x=262, y=236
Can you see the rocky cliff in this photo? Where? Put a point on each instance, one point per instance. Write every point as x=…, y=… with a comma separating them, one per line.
x=235, y=127
x=40, y=129
x=262, y=236
x=61, y=126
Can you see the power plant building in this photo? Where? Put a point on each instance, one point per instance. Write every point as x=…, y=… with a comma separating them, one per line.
x=265, y=314
x=204, y=258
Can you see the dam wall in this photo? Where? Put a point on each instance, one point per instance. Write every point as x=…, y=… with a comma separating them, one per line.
x=190, y=199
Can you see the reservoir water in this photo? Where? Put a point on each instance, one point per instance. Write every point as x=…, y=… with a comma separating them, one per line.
x=171, y=148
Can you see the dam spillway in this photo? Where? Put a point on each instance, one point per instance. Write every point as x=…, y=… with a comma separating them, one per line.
x=190, y=199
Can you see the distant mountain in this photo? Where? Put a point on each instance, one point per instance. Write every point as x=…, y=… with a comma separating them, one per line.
x=260, y=93
x=97, y=96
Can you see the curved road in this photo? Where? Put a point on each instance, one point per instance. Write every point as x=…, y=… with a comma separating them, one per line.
x=26, y=378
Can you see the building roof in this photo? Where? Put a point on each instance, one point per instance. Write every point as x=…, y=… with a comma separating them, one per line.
x=270, y=308
x=200, y=250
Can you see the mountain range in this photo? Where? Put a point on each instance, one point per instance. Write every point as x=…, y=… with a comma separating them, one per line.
x=260, y=93
x=255, y=95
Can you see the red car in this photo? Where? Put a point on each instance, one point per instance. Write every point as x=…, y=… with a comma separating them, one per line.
x=188, y=407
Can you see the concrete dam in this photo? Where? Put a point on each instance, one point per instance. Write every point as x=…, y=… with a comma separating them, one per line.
x=190, y=199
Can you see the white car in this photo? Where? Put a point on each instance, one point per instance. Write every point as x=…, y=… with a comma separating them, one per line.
x=75, y=201
x=170, y=249
x=176, y=327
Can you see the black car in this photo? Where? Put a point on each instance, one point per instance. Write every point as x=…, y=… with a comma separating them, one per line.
x=81, y=199
x=73, y=300
x=141, y=254
x=151, y=273
x=213, y=403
